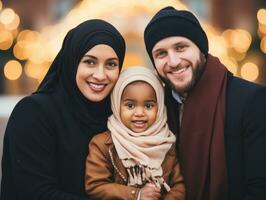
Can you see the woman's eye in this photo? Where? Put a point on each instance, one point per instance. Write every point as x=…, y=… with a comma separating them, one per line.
x=112, y=64
x=89, y=62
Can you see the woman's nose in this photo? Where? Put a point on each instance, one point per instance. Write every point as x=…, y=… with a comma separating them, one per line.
x=99, y=73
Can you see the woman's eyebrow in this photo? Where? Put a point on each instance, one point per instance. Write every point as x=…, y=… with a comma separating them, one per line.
x=90, y=56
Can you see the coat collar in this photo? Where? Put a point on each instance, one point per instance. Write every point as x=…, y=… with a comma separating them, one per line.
x=108, y=139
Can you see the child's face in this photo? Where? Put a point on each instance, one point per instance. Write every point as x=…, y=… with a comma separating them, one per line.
x=138, y=107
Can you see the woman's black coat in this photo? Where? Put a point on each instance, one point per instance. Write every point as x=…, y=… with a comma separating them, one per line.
x=45, y=143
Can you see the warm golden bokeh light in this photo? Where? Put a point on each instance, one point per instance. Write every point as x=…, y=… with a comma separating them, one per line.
x=217, y=46
x=262, y=29
x=38, y=49
x=14, y=32
x=52, y=36
x=261, y=16
x=237, y=56
x=7, y=16
x=14, y=24
x=12, y=70
x=228, y=35
x=22, y=35
x=40, y=57
x=263, y=44
x=29, y=46
x=20, y=51
x=241, y=40
x=6, y=40
x=32, y=36
x=1, y=5
x=36, y=71
x=132, y=59
x=32, y=70
x=231, y=64
x=250, y=71
x=45, y=67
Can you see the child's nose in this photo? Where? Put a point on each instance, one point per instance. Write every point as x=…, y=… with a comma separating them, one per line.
x=139, y=111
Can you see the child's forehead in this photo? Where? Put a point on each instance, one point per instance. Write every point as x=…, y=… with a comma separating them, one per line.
x=139, y=88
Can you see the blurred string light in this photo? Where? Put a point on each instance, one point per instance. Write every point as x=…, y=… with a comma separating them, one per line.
x=250, y=71
x=262, y=30
x=9, y=22
x=263, y=45
x=217, y=44
x=36, y=71
x=231, y=64
x=38, y=49
x=12, y=70
x=261, y=16
x=238, y=39
x=6, y=39
x=9, y=19
x=7, y=16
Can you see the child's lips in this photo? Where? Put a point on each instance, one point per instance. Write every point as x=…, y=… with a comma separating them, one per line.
x=139, y=123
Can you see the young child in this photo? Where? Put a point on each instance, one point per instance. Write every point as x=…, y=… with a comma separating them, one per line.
x=136, y=158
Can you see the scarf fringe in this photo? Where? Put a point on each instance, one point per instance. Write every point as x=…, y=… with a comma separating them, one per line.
x=139, y=175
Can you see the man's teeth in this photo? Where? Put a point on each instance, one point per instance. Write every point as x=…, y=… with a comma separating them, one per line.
x=180, y=70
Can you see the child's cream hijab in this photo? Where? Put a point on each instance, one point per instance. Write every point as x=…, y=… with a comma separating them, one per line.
x=141, y=153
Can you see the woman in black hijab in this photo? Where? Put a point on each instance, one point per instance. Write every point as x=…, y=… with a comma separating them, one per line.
x=45, y=143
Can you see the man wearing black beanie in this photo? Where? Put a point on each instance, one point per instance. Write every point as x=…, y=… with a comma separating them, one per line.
x=219, y=119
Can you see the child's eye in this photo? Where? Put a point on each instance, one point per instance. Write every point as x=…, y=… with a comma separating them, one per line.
x=149, y=106
x=130, y=105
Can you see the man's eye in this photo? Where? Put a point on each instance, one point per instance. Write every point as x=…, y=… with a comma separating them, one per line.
x=160, y=54
x=180, y=47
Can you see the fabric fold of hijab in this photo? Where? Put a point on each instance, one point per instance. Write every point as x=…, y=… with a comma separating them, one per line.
x=61, y=76
x=202, y=152
x=146, y=149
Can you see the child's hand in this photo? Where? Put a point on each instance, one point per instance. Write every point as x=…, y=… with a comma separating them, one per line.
x=150, y=192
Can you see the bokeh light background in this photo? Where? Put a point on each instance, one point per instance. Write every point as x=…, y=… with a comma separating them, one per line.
x=32, y=34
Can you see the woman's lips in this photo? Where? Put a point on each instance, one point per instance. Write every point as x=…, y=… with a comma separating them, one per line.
x=96, y=87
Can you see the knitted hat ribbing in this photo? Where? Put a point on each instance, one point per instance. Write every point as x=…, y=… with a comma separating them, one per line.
x=171, y=22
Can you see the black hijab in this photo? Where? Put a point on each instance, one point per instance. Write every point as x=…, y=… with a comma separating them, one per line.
x=61, y=77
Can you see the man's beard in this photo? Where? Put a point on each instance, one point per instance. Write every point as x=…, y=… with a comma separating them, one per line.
x=196, y=74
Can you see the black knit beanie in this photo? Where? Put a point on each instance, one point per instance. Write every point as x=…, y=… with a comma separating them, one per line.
x=171, y=22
